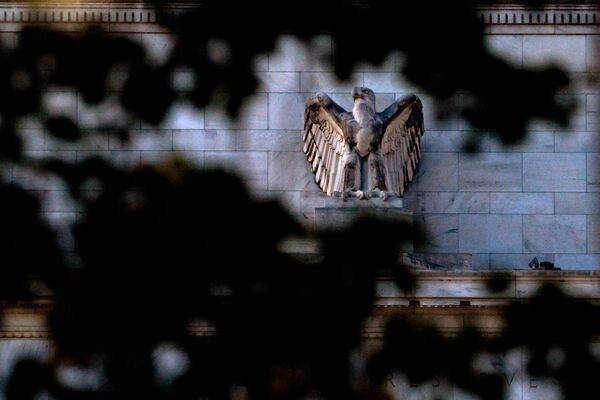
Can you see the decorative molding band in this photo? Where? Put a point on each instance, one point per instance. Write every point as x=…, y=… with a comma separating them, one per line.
x=66, y=12
x=452, y=300
x=552, y=15
x=85, y=15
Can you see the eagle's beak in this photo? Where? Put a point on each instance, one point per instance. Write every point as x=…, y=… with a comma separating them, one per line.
x=356, y=93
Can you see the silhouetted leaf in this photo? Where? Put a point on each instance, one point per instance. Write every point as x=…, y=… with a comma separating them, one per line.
x=63, y=128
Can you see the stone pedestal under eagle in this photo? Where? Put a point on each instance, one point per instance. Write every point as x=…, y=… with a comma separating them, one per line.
x=363, y=153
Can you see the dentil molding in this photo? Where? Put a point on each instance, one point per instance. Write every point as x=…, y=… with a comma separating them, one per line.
x=82, y=12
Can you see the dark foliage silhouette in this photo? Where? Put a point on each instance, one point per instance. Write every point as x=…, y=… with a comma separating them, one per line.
x=165, y=248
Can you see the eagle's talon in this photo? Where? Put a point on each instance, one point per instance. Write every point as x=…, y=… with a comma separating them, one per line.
x=359, y=194
x=384, y=195
x=378, y=193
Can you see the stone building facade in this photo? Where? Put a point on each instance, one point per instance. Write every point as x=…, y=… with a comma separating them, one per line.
x=495, y=209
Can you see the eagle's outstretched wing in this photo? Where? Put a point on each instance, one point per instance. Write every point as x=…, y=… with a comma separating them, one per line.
x=401, y=143
x=324, y=140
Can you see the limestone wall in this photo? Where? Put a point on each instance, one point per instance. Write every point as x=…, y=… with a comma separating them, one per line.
x=503, y=205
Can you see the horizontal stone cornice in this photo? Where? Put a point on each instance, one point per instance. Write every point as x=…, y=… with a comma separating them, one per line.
x=549, y=15
x=451, y=301
x=79, y=12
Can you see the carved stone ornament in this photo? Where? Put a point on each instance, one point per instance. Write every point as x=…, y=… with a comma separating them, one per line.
x=363, y=153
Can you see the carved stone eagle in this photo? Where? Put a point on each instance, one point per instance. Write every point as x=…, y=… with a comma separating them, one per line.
x=363, y=153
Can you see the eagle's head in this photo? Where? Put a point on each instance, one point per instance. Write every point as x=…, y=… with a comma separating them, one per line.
x=364, y=93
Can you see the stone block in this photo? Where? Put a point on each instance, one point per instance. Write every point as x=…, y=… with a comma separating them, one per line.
x=578, y=262
x=34, y=179
x=445, y=288
x=387, y=82
x=9, y=40
x=582, y=83
x=437, y=172
x=57, y=201
x=387, y=289
x=291, y=54
x=593, y=234
x=338, y=214
x=195, y=158
x=260, y=62
x=439, y=261
x=92, y=140
x=250, y=165
x=480, y=233
x=453, y=141
x=480, y=261
x=441, y=233
x=278, y=82
x=122, y=158
x=577, y=203
x=62, y=223
x=307, y=201
x=116, y=80
x=410, y=196
x=576, y=29
x=593, y=112
x=508, y=47
x=400, y=387
x=158, y=46
x=345, y=100
x=269, y=140
x=312, y=82
x=554, y=172
x=209, y=139
x=34, y=139
x=154, y=157
x=183, y=80
x=106, y=114
x=286, y=110
x=593, y=53
x=554, y=233
x=490, y=172
x=534, y=142
x=15, y=350
x=576, y=142
x=593, y=172
x=383, y=100
x=63, y=155
x=387, y=65
x=153, y=140
x=517, y=261
x=62, y=104
x=183, y=116
x=577, y=121
x=521, y=203
x=507, y=365
x=253, y=115
x=453, y=202
x=520, y=29
x=540, y=388
x=289, y=170
x=450, y=122
x=131, y=35
x=566, y=51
